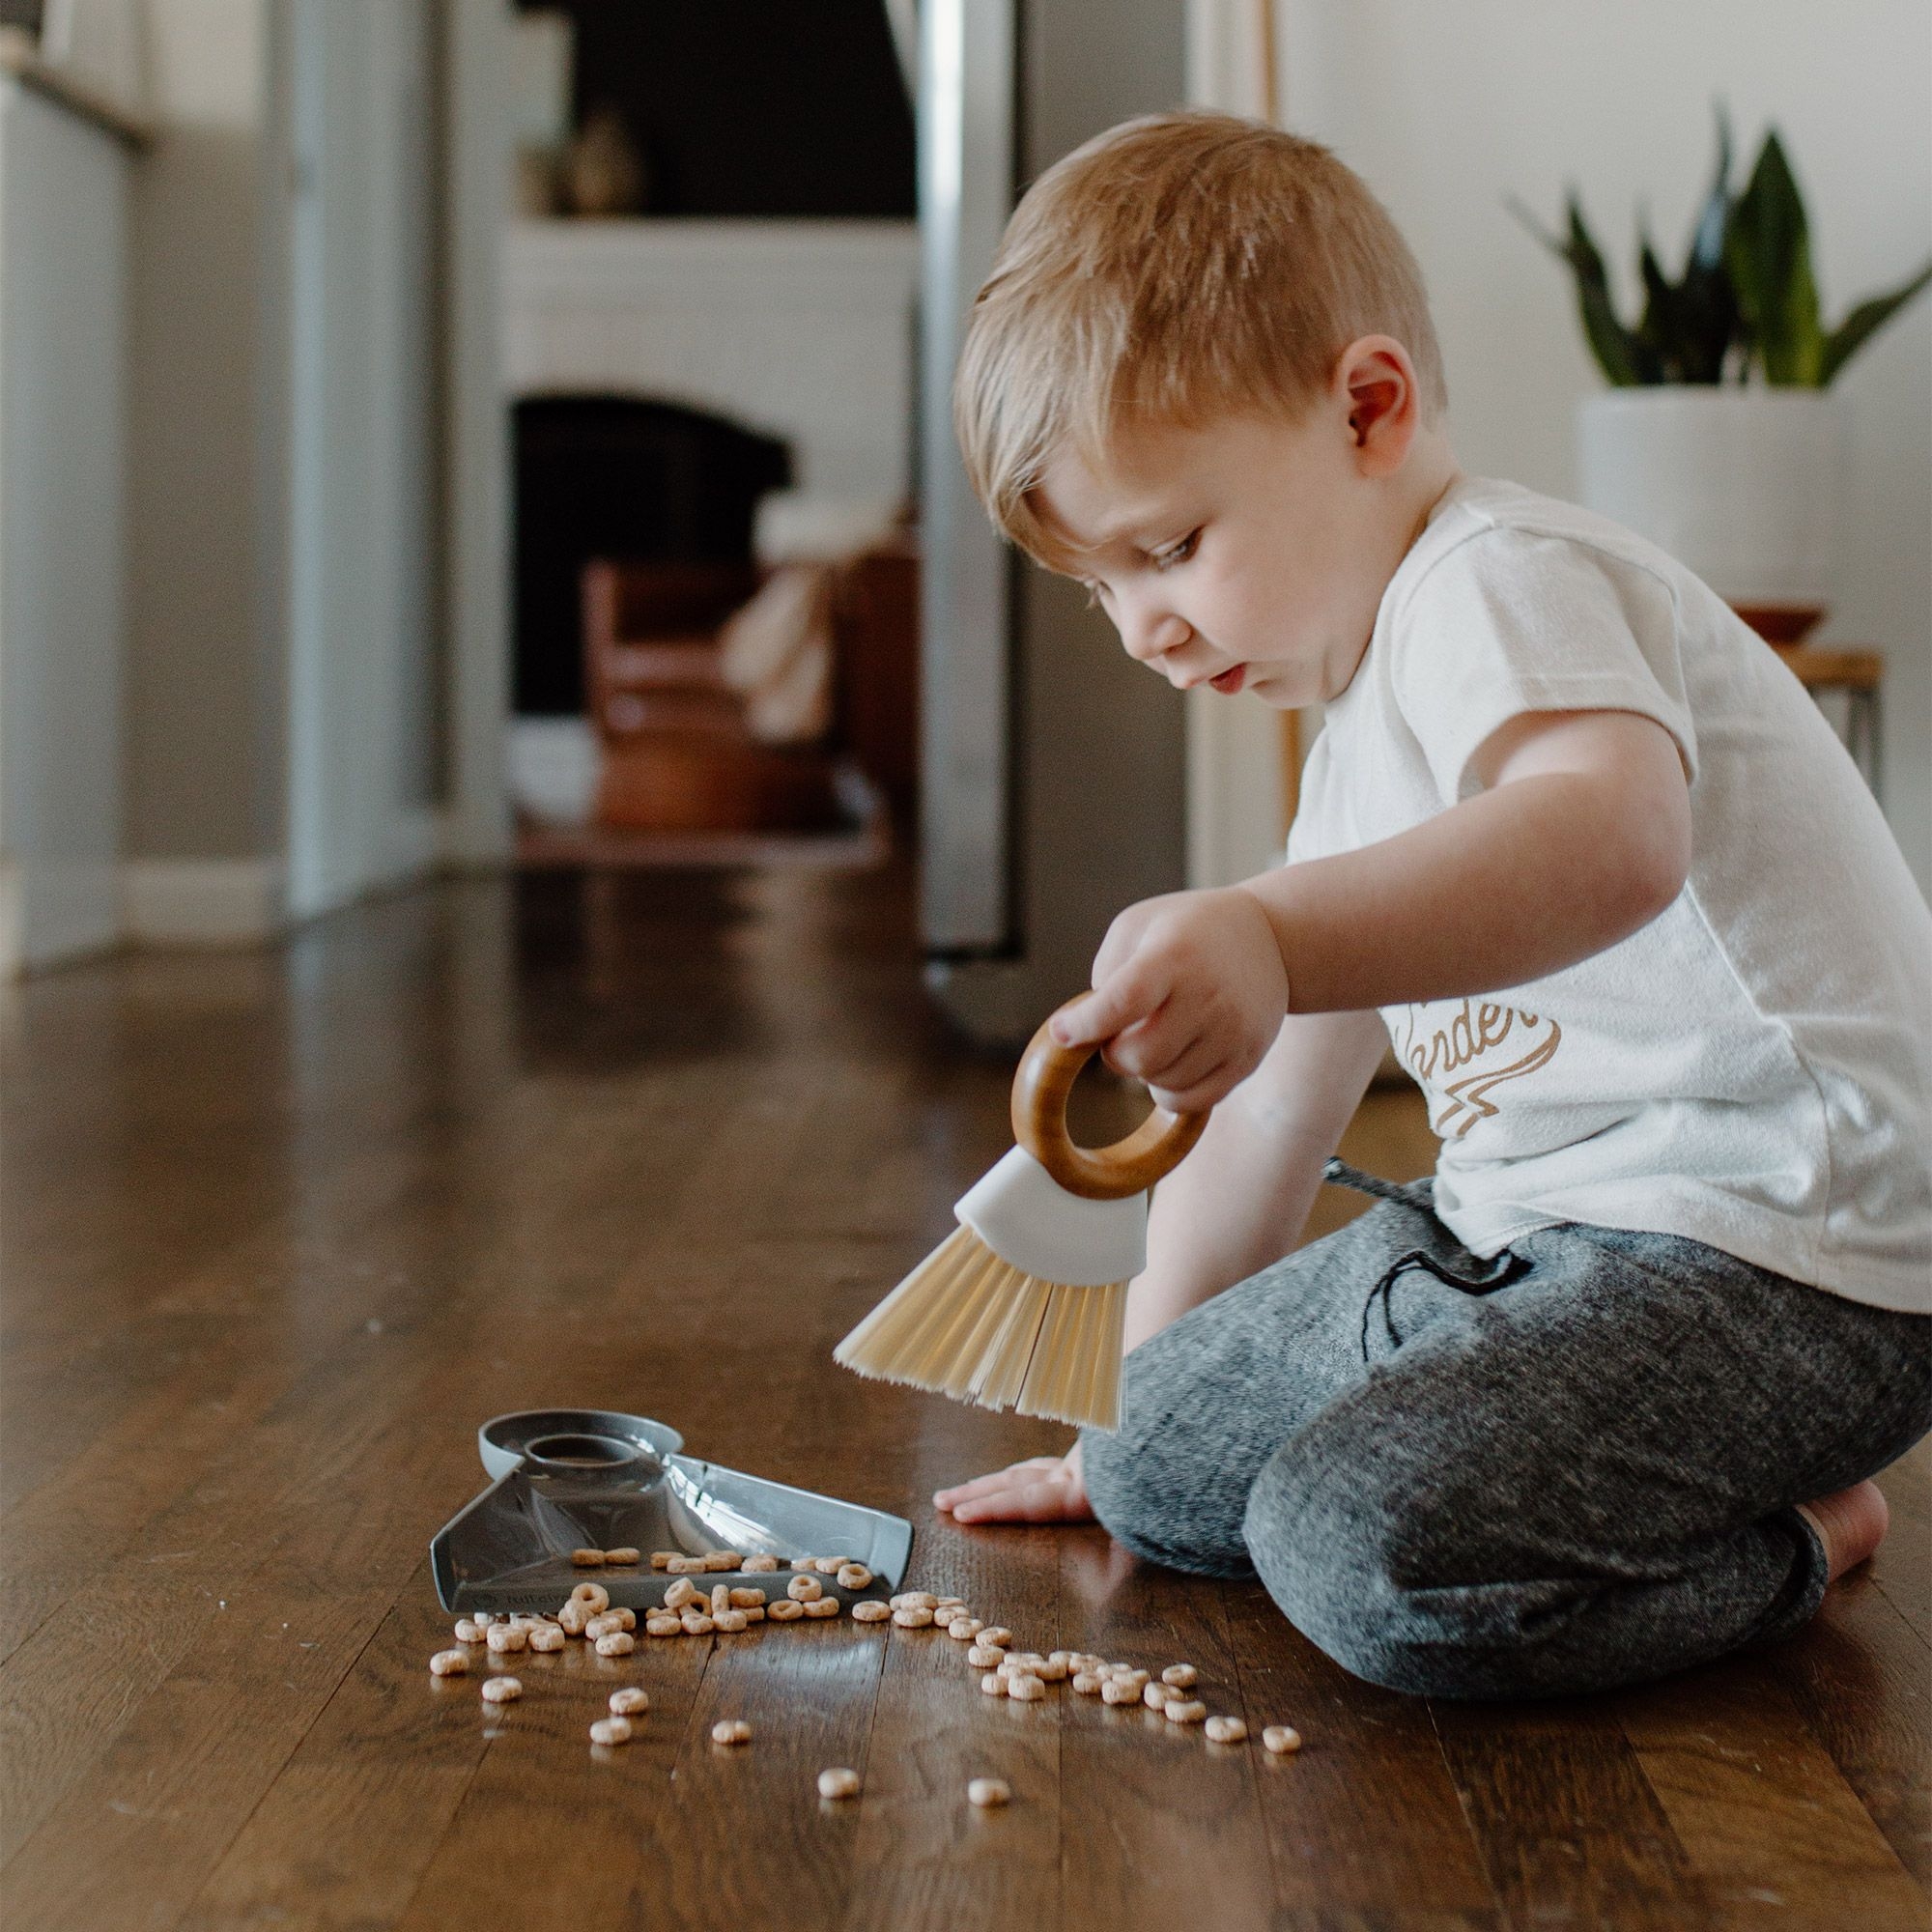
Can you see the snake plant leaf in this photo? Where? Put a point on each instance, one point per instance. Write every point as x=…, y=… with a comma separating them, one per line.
x=1624, y=360
x=1707, y=240
x=1865, y=321
x=1768, y=252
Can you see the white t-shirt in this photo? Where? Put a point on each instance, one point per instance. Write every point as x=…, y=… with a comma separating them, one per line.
x=1753, y=1068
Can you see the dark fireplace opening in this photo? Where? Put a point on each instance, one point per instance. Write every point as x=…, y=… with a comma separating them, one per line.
x=624, y=479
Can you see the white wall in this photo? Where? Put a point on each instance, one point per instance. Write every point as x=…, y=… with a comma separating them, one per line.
x=360, y=582
x=202, y=817
x=1446, y=109
x=62, y=353
x=802, y=330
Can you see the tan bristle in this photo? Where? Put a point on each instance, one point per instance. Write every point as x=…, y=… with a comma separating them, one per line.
x=966, y=1324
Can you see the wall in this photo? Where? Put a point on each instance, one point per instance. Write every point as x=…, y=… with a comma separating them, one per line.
x=353, y=115
x=203, y=807
x=1445, y=110
x=287, y=689
x=801, y=330
x=63, y=236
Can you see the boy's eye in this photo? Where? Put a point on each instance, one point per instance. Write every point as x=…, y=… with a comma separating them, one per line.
x=1166, y=560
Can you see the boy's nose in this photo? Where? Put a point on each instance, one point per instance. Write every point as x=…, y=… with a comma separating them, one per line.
x=1150, y=636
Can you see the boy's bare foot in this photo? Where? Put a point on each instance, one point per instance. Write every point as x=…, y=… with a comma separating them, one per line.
x=1043, y=1489
x=1851, y=1523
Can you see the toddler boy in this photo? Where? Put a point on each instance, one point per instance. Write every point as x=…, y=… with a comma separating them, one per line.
x=1602, y=1398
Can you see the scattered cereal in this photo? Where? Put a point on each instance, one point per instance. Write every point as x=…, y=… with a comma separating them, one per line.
x=629, y=1701
x=988, y=1791
x=1182, y=1676
x=1226, y=1730
x=501, y=1689
x=450, y=1664
x=731, y=1731
x=587, y=1559
x=838, y=1782
x=1281, y=1739
x=610, y=1731
x=616, y=1643
x=870, y=1611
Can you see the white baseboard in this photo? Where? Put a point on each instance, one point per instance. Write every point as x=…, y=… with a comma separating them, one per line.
x=201, y=901
x=53, y=912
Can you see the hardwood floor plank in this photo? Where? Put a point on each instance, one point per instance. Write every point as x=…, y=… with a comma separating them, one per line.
x=924, y=1859
x=1863, y=1681
x=808, y=1689
x=131, y=1840
x=1567, y=1827
x=578, y=1833
x=1364, y=1819
x=363, y=1801
x=1775, y=1834
x=1903, y=1566
x=1157, y=1826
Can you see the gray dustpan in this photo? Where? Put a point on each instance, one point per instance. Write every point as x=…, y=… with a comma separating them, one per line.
x=565, y=1479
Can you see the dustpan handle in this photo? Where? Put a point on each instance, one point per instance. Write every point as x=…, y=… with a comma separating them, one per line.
x=1046, y=1078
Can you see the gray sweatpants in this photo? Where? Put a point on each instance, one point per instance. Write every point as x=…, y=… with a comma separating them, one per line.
x=1568, y=1467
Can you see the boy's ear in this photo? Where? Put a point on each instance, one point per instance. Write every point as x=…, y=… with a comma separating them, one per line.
x=1376, y=380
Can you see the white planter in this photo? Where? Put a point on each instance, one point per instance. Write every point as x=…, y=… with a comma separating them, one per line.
x=1741, y=485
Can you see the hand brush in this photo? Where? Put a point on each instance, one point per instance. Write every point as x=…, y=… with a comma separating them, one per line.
x=1022, y=1305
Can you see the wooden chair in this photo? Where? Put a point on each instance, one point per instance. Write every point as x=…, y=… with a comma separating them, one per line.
x=678, y=755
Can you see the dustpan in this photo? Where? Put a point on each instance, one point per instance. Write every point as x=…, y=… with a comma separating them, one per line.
x=565, y=1479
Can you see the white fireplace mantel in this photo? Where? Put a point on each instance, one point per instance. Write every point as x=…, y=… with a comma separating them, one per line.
x=802, y=328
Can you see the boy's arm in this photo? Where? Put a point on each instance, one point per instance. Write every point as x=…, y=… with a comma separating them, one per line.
x=1241, y=1198
x=1581, y=836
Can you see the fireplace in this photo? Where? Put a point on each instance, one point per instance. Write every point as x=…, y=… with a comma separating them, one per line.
x=630, y=480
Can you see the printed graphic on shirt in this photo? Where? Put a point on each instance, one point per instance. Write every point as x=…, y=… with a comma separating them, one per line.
x=1459, y=1065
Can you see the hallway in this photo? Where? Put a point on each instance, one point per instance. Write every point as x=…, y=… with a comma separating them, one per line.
x=282, y=1228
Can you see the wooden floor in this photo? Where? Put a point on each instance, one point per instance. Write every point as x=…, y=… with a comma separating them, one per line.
x=280, y=1231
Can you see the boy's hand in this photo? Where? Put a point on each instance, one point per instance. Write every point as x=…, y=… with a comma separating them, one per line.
x=1189, y=992
x=1043, y=1489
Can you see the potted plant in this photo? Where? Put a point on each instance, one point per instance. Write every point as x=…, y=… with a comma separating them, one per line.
x=1720, y=439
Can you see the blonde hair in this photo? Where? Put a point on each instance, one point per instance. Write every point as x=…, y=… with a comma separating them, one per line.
x=1173, y=269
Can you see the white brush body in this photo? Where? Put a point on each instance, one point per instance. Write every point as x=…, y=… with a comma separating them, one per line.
x=1034, y=1224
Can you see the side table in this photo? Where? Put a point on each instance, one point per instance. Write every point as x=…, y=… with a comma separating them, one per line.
x=1857, y=671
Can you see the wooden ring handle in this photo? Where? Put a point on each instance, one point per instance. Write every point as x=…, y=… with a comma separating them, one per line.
x=1046, y=1078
